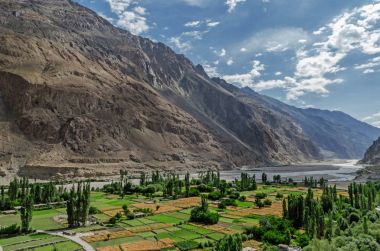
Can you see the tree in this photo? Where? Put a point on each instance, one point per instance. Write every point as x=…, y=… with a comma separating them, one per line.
x=284, y=209
x=26, y=212
x=78, y=204
x=264, y=178
x=187, y=184
x=230, y=243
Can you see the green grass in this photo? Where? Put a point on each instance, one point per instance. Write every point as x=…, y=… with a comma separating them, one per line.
x=146, y=234
x=203, y=240
x=216, y=236
x=172, y=229
x=67, y=246
x=17, y=239
x=102, y=201
x=33, y=243
x=226, y=220
x=199, y=230
x=186, y=234
x=163, y=235
x=134, y=223
x=165, y=219
x=116, y=242
x=41, y=220
x=187, y=245
x=146, y=221
x=178, y=215
x=244, y=203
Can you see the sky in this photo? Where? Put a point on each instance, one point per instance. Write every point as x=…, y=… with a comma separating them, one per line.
x=307, y=53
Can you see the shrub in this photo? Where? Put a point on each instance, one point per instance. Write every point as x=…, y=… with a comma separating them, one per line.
x=302, y=240
x=205, y=188
x=354, y=217
x=201, y=216
x=10, y=230
x=242, y=198
x=234, y=195
x=228, y=202
x=93, y=210
x=279, y=195
x=214, y=195
x=267, y=202
x=193, y=192
x=261, y=195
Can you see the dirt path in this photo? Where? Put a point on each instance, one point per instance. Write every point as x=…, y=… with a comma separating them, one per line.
x=75, y=238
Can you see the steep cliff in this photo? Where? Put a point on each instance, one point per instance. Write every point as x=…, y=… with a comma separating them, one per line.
x=372, y=156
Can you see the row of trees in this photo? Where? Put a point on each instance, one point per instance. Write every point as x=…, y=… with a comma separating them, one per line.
x=78, y=205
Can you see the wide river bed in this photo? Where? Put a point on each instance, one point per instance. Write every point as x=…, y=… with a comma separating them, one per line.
x=334, y=171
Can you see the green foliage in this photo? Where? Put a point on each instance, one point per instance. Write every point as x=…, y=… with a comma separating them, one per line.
x=93, y=210
x=202, y=214
x=230, y=243
x=214, y=195
x=272, y=230
x=187, y=245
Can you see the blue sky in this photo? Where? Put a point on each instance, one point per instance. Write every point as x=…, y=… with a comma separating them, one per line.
x=308, y=53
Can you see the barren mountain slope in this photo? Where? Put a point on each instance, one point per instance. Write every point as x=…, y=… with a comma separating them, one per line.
x=85, y=98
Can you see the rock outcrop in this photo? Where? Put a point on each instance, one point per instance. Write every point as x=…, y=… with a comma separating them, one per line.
x=372, y=156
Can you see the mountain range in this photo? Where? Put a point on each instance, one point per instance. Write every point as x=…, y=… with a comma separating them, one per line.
x=80, y=97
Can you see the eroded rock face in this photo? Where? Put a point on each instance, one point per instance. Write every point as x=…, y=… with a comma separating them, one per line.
x=372, y=156
x=76, y=88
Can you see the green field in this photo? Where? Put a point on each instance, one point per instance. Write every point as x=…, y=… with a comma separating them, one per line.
x=184, y=235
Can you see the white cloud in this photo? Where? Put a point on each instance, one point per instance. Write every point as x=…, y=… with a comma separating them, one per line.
x=356, y=30
x=278, y=73
x=212, y=24
x=223, y=53
x=372, y=117
x=193, y=24
x=230, y=61
x=246, y=79
x=370, y=67
x=197, y=23
x=211, y=70
x=183, y=41
x=133, y=20
x=275, y=40
x=233, y=3
x=243, y=49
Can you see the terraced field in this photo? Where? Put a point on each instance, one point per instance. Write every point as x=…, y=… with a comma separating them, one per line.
x=168, y=228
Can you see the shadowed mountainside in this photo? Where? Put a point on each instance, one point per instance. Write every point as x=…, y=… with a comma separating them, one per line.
x=80, y=97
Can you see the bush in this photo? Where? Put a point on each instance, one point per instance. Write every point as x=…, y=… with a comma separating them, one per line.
x=372, y=217
x=354, y=217
x=205, y=189
x=267, y=202
x=279, y=195
x=261, y=195
x=115, y=219
x=242, y=198
x=214, y=195
x=302, y=240
x=274, y=237
x=234, y=195
x=10, y=230
x=194, y=192
x=93, y=210
x=228, y=202
x=201, y=216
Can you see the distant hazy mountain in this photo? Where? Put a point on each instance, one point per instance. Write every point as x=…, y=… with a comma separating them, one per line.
x=80, y=93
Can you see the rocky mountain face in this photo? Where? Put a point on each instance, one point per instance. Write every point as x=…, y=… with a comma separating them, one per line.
x=372, y=156
x=80, y=97
x=337, y=134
